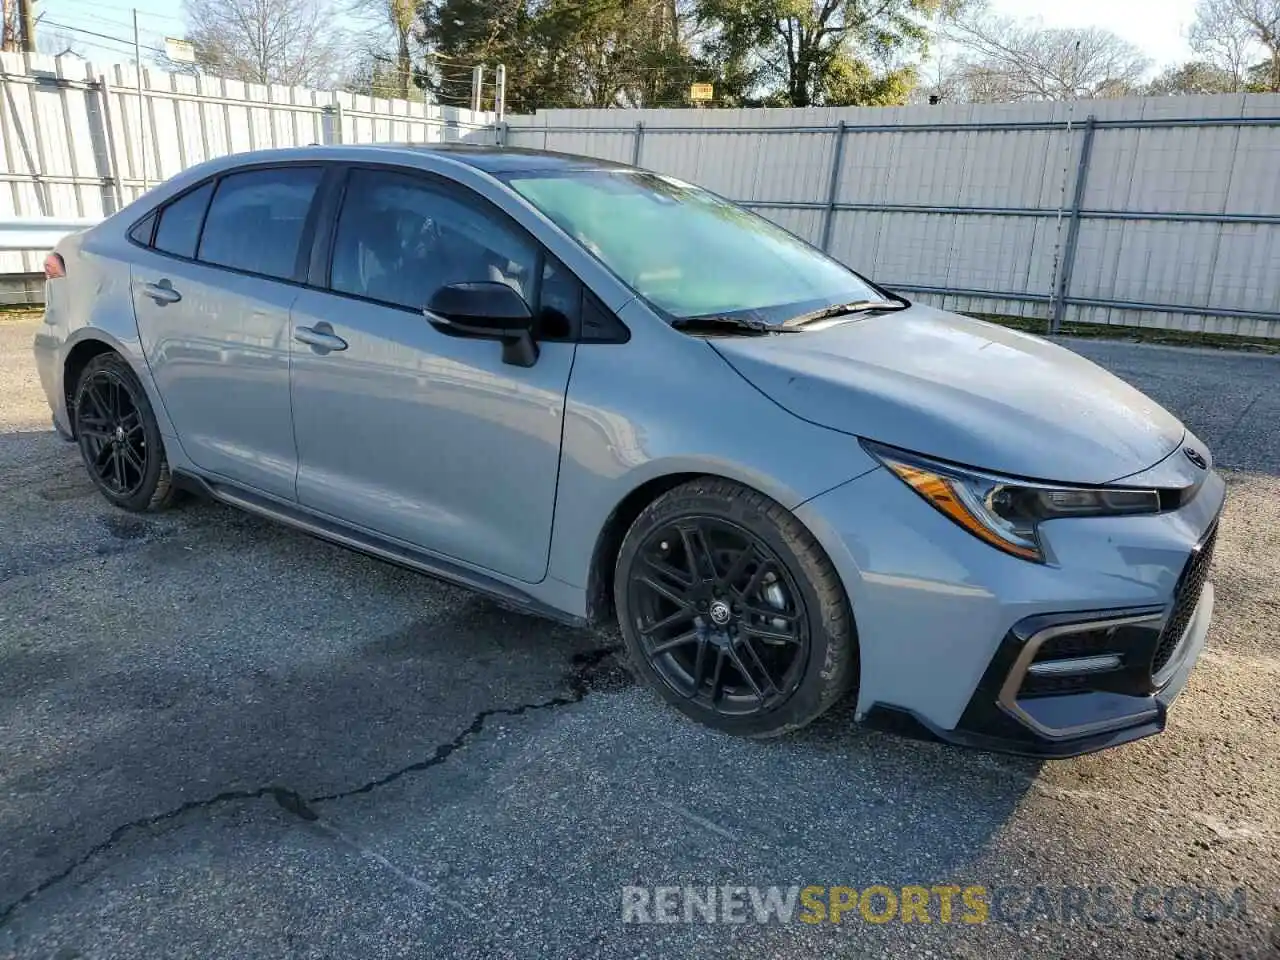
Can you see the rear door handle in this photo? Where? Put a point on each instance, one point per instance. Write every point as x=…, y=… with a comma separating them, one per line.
x=161, y=292
x=321, y=336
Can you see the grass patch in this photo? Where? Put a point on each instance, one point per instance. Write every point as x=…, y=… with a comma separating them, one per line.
x=1107, y=331
x=17, y=312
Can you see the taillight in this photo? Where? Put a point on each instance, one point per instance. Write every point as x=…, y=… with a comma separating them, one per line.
x=54, y=267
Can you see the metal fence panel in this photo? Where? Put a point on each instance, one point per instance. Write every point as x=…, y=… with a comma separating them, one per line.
x=76, y=143
x=1147, y=211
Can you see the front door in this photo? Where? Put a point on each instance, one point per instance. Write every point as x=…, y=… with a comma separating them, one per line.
x=429, y=439
x=213, y=318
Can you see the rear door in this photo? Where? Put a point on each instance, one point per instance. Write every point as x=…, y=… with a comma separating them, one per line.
x=212, y=290
x=426, y=438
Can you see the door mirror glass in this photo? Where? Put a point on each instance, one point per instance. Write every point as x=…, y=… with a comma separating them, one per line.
x=486, y=310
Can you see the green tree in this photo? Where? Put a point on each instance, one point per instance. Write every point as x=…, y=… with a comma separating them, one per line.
x=572, y=53
x=830, y=52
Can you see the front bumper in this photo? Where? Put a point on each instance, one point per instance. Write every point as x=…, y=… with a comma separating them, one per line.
x=962, y=643
x=1067, y=725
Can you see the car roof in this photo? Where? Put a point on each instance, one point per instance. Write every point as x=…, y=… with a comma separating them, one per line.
x=498, y=159
x=493, y=160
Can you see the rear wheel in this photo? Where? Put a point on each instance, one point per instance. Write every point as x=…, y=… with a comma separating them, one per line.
x=732, y=611
x=119, y=438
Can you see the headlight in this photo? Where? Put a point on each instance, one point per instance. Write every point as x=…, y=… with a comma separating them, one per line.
x=1006, y=512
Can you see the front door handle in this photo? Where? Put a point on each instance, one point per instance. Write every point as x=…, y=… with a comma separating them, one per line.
x=321, y=336
x=161, y=292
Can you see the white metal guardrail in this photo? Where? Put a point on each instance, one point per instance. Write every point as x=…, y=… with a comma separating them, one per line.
x=38, y=233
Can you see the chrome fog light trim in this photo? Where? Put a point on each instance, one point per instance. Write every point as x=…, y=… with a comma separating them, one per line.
x=1075, y=665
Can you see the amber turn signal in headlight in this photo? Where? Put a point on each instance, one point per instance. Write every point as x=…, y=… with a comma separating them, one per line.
x=1003, y=511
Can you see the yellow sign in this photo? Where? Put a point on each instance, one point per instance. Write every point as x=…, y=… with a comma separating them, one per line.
x=701, y=91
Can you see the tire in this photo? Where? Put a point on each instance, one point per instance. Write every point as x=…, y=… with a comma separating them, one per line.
x=119, y=438
x=756, y=640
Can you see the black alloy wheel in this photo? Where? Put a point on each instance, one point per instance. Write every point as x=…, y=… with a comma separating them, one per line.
x=118, y=436
x=111, y=432
x=730, y=609
x=720, y=617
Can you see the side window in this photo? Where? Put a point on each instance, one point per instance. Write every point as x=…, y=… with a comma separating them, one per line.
x=256, y=220
x=179, y=228
x=141, y=232
x=399, y=239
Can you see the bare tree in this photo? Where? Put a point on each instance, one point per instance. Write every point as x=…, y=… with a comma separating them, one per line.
x=267, y=41
x=59, y=43
x=396, y=21
x=1008, y=60
x=1192, y=77
x=1241, y=37
x=9, y=28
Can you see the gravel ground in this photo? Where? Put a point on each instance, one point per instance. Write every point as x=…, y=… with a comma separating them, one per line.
x=222, y=738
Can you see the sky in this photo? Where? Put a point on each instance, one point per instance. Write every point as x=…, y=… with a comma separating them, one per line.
x=1158, y=27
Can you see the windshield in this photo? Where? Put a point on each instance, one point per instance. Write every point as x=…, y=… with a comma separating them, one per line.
x=688, y=252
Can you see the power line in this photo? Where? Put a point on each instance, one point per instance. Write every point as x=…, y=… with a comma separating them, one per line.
x=95, y=6
x=102, y=36
x=100, y=21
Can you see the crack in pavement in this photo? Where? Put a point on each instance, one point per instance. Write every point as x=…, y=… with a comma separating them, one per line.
x=578, y=680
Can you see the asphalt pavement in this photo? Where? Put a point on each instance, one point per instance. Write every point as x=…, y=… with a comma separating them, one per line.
x=221, y=738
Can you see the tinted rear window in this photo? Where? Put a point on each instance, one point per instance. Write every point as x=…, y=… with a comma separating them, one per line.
x=180, y=222
x=141, y=232
x=256, y=220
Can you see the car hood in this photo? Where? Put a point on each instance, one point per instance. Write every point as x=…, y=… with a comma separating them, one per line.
x=961, y=390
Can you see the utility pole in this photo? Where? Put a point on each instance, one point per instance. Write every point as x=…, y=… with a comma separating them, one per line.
x=142, y=107
x=28, y=22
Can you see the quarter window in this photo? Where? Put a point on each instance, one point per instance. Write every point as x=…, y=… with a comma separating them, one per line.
x=256, y=220
x=141, y=232
x=399, y=239
x=179, y=229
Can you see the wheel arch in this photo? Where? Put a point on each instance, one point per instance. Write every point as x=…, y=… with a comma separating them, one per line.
x=73, y=365
x=89, y=342
x=604, y=556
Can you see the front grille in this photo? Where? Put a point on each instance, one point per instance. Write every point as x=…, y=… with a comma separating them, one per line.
x=1082, y=644
x=1055, y=686
x=1190, y=586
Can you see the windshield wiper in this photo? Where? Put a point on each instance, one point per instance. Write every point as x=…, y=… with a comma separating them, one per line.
x=840, y=310
x=713, y=323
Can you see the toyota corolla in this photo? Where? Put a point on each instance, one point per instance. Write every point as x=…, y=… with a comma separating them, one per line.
x=593, y=391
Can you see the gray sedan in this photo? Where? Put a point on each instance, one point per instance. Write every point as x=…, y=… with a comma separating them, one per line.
x=593, y=391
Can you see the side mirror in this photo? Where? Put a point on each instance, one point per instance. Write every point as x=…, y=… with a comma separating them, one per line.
x=486, y=310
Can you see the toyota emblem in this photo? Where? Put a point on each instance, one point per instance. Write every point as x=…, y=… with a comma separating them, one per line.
x=1196, y=457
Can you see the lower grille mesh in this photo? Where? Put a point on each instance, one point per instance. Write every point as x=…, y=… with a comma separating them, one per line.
x=1190, y=586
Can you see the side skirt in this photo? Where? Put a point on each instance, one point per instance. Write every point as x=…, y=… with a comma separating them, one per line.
x=365, y=542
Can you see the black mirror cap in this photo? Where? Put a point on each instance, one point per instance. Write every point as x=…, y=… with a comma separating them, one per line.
x=486, y=310
x=482, y=303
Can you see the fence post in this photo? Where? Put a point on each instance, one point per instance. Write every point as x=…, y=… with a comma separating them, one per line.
x=833, y=185
x=637, y=143
x=1062, y=283
x=109, y=140
x=477, y=87
x=331, y=121
x=500, y=92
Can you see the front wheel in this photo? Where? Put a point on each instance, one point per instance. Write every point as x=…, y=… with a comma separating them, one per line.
x=732, y=611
